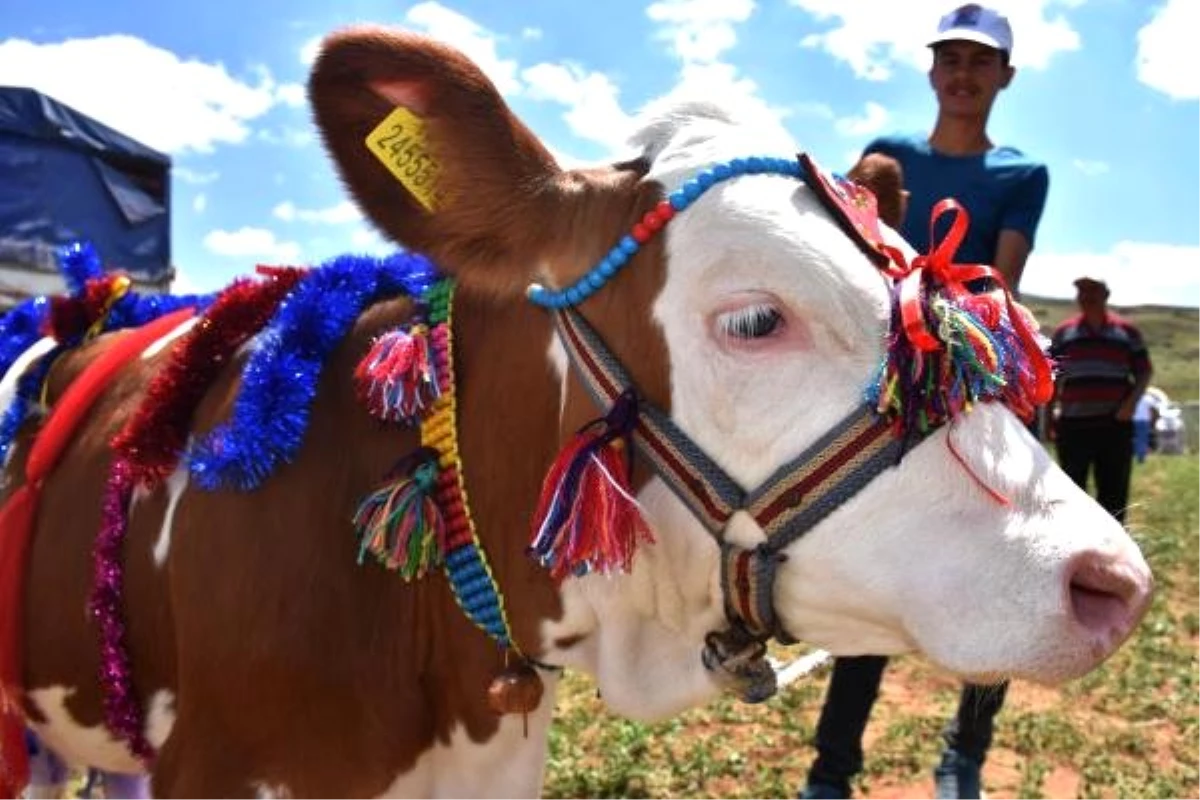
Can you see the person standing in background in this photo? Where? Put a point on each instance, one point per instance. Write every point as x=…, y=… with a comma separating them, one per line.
x=1004, y=192
x=1144, y=417
x=1104, y=370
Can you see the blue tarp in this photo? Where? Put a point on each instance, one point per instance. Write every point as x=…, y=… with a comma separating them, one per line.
x=65, y=177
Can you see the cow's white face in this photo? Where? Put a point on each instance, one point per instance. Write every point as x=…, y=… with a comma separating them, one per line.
x=775, y=324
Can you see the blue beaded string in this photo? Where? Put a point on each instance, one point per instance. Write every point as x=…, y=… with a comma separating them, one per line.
x=680, y=199
x=476, y=592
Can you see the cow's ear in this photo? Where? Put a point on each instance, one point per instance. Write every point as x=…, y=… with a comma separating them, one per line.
x=432, y=154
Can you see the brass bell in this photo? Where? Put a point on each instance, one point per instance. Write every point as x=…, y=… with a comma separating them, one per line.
x=516, y=690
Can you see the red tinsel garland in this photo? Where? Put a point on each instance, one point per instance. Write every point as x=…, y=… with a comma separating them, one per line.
x=155, y=436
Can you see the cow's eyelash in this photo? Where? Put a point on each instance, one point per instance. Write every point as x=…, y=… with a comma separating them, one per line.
x=751, y=322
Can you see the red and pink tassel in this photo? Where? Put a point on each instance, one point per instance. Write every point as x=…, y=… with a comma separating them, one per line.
x=587, y=518
x=398, y=378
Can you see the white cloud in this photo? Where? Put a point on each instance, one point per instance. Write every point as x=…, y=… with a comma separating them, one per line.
x=340, y=214
x=293, y=95
x=593, y=111
x=1136, y=272
x=309, y=50
x=699, y=30
x=721, y=83
x=285, y=211
x=873, y=119
x=183, y=283
x=258, y=243
x=532, y=34
x=178, y=106
x=194, y=177
x=288, y=136
x=199, y=203
x=873, y=36
x=478, y=43
x=1167, y=58
x=368, y=241
x=1089, y=167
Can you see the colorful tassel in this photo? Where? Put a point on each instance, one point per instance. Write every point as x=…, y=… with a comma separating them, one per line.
x=587, y=518
x=970, y=348
x=398, y=379
x=401, y=525
x=950, y=346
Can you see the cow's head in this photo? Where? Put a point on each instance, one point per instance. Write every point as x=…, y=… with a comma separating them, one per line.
x=758, y=323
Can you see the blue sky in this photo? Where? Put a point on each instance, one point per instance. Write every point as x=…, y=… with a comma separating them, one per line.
x=1106, y=93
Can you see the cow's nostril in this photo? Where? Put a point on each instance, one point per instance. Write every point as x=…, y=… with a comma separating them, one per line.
x=1108, y=596
x=1096, y=609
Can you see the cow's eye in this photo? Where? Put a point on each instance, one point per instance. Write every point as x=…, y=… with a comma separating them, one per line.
x=751, y=322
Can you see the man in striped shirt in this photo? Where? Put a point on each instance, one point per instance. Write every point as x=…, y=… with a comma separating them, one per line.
x=1103, y=370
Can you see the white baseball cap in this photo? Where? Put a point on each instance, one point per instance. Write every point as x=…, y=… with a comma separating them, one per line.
x=975, y=23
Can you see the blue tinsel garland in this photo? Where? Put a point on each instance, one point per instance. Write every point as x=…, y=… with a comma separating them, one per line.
x=28, y=385
x=79, y=263
x=20, y=328
x=279, y=383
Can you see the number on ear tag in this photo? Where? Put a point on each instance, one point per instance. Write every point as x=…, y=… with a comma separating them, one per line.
x=399, y=143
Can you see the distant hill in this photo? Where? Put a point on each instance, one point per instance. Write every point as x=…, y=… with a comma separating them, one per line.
x=1172, y=334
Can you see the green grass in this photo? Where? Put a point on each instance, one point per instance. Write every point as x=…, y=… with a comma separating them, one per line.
x=1129, y=729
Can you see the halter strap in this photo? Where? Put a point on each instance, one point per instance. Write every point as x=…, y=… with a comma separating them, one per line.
x=695, y=478
x=787, y=505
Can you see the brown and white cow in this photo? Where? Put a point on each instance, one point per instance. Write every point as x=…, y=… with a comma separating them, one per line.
x=268, y=661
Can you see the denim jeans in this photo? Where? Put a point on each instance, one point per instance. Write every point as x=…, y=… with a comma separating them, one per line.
x=1141, y=439
x=969, y=731
x=853, y=688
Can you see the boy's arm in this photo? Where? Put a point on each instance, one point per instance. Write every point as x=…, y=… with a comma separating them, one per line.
x=1018, y=227
x=1012, y=251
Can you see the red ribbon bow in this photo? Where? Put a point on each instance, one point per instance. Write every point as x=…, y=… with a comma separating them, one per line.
x=940, y=269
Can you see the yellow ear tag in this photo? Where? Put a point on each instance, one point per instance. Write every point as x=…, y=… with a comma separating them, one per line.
x=399, y=142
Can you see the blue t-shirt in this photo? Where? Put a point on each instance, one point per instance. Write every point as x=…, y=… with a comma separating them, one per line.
x=1002, y=189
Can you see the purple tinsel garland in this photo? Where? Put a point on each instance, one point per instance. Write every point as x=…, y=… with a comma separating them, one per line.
x=122, y=709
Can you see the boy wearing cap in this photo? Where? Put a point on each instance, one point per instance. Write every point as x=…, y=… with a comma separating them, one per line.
x=1103, y=371
x=1004, y=192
